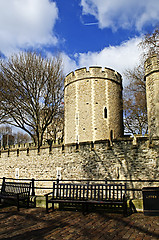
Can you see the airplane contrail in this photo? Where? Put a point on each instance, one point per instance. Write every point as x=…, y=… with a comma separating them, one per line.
x=88, y=24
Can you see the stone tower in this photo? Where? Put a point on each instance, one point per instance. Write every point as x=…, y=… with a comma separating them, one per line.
x=93, y=105
x=152, y=94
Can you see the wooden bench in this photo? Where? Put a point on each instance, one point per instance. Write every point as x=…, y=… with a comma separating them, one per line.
x=112, y=195
x=17, y=191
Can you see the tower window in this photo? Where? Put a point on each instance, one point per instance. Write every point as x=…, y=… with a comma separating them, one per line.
x=76, y=118
x=105, y=112
x=58, y=173
x=17, y=173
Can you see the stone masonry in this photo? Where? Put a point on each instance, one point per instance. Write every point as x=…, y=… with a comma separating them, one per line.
x=93, y=105
x=127, y=158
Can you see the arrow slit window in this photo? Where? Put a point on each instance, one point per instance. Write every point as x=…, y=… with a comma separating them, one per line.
x=105, y=113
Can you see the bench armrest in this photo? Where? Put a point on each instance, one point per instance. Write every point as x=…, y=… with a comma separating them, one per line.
x=48, y=194
x=125, y=197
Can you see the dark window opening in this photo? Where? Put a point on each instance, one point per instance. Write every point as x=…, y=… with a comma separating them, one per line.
x=105, y=112
x=77, y=146
x=92, y=145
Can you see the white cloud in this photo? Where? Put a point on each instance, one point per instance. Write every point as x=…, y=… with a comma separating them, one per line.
x=26, y=23
x=69, y=64
x=123, y=13
x=122, y=57
x=119, y=58
x=127, y=55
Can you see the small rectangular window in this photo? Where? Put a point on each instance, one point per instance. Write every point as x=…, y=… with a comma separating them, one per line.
x=17, y=173
x=105, y=112
x=58, y=173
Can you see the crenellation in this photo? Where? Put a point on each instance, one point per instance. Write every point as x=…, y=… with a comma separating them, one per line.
x=96, y=71
x=79, y=73
x=93, y=72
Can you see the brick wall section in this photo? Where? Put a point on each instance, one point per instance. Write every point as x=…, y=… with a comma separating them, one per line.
x=126, y=159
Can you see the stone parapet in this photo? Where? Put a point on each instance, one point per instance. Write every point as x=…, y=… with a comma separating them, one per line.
x=93, y=72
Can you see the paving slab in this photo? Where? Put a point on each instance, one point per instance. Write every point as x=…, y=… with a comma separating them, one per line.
x=35, y=223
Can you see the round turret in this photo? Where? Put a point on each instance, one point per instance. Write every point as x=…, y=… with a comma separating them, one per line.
x=152, y=94
x=93, y=105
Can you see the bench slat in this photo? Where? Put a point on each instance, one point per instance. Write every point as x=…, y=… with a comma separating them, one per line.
x=113, y=194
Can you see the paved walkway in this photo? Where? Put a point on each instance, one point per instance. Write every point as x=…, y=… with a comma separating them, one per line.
x=36, y=224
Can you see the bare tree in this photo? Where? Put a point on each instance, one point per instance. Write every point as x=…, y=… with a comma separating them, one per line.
x=135, y=109
x=21, y=137
x=5, y=130
x=6, y=137
x=3, y=115
x=31, y=92
x=150, y=44
x=56, y=130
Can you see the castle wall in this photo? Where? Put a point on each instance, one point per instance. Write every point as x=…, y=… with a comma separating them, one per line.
x=93, y=105
x=125, y=159
x=93, y=114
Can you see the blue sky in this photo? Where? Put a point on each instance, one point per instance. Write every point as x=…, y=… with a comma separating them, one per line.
x=86, y=32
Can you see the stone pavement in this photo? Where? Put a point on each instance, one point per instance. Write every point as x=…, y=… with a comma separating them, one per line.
x=66, y=225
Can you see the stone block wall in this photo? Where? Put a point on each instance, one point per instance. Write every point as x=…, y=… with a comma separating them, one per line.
x=127, y=158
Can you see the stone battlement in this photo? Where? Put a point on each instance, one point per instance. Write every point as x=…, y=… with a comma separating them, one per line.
x=93, y=72
x=73, y=147
x=135, y=141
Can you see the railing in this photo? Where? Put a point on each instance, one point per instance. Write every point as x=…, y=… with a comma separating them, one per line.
x=45, y=185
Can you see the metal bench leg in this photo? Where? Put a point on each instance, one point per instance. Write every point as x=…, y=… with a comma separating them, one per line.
x=47, y=203
x=84, y=208
x=17, y=202
x=28, y=202
x=125, y=212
